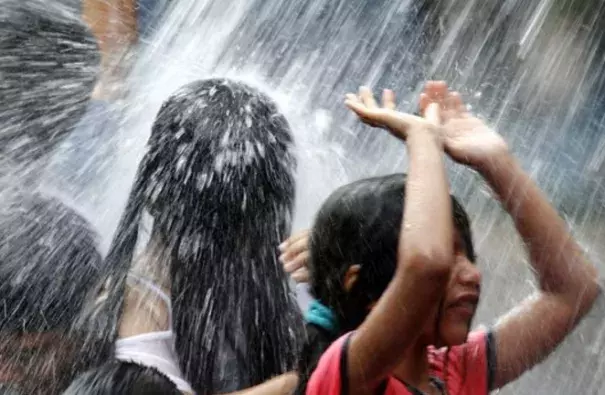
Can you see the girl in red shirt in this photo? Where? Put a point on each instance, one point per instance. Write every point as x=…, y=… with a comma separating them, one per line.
x=401, y=293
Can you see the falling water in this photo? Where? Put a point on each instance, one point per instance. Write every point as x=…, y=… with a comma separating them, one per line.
x=534, y=69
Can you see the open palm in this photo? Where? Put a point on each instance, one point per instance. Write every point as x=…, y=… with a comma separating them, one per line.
x=387, y=117
x=467, y=139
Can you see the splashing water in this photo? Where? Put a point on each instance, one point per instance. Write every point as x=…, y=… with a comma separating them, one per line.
x=533, y=68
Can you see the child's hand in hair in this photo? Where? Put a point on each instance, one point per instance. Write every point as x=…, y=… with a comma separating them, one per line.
x=400, y=124
x=467, y=139
x=295, y=256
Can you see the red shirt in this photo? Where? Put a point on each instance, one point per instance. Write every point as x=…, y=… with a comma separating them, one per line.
x=463, y=369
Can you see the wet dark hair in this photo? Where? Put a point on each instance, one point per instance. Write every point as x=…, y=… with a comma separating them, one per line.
x=122, y=378
x=49, y=62
x=8, y=390
x=218, y=180
x=360, y=224
x=49, y=262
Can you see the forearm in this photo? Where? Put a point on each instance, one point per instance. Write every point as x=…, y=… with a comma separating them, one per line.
x=113, y=23
x=427, y=225
x=280, y=385
x=423, y=267
x=557, y=259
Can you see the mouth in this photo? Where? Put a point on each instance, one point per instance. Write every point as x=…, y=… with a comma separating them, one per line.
x=466, y=304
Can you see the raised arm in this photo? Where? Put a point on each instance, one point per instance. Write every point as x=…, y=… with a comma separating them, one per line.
x=567, y=281
x=113, y=22
x=425, y=248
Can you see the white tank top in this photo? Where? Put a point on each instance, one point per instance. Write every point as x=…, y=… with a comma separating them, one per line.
x=154, y=349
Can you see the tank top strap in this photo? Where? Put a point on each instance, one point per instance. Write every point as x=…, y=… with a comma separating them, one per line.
x=156, y=290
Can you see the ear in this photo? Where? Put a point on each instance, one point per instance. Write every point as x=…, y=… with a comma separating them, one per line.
x=351, y=277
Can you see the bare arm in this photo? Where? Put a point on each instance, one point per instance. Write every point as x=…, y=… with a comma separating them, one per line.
x=567, y=281
x=280, y=385
x=423, y=265
x=113, y=22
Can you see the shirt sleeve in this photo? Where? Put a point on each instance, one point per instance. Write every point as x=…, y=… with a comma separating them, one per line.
x=330, y=376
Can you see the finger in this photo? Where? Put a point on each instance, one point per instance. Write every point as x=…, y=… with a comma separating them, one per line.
x=458, y=104
x=364, y=114
x=296, y=247
x=423, y=103
x=301, y=260
x=452, y=101
x=352, y=97
x=433, y=114
x=436, y=90
x=296, y=236
x=388, y=99
x=357, y=107
x=301, y=275
x=450, y=108
x=367, y=97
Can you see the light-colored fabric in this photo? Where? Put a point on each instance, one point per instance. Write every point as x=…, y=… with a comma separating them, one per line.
x=154, y=349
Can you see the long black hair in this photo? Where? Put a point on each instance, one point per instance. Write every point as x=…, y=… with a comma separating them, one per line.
x=49, y=63
x=49, y=262
x=218, y=181
x=359, y=224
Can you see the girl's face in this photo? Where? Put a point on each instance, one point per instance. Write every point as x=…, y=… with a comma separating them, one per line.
x=460, y=300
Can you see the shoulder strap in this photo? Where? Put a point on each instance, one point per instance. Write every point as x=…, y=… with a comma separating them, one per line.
x=344, y=367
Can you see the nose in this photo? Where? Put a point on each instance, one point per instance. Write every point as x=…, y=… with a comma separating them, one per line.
x=469, y=274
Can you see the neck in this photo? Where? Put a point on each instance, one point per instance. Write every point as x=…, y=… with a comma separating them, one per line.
x=414, y=368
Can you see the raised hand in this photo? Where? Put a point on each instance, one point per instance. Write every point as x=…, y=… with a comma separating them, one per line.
x=467, y=139
x=385, y=116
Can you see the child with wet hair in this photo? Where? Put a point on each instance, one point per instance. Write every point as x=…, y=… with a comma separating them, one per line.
x=49, y=262
x=122, y=378
x=217, y=186
x=391, y=264
x=49, y=63
x=370, y=207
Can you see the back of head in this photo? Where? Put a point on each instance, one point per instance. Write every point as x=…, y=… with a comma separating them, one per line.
x=48, y=67
x=122, y=378
x=8, y=390
x=48, y=263
x=218, y=181
x=359, y=224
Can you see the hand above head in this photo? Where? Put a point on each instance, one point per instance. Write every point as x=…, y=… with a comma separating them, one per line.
x=467, y=139
x=400, y=124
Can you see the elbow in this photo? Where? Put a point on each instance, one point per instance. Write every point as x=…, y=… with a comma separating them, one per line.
x=580, y=295
x=428, y=263
x=588, y=289
x=589, y=295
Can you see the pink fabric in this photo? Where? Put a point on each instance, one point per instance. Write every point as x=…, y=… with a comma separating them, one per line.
x=466, y=367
